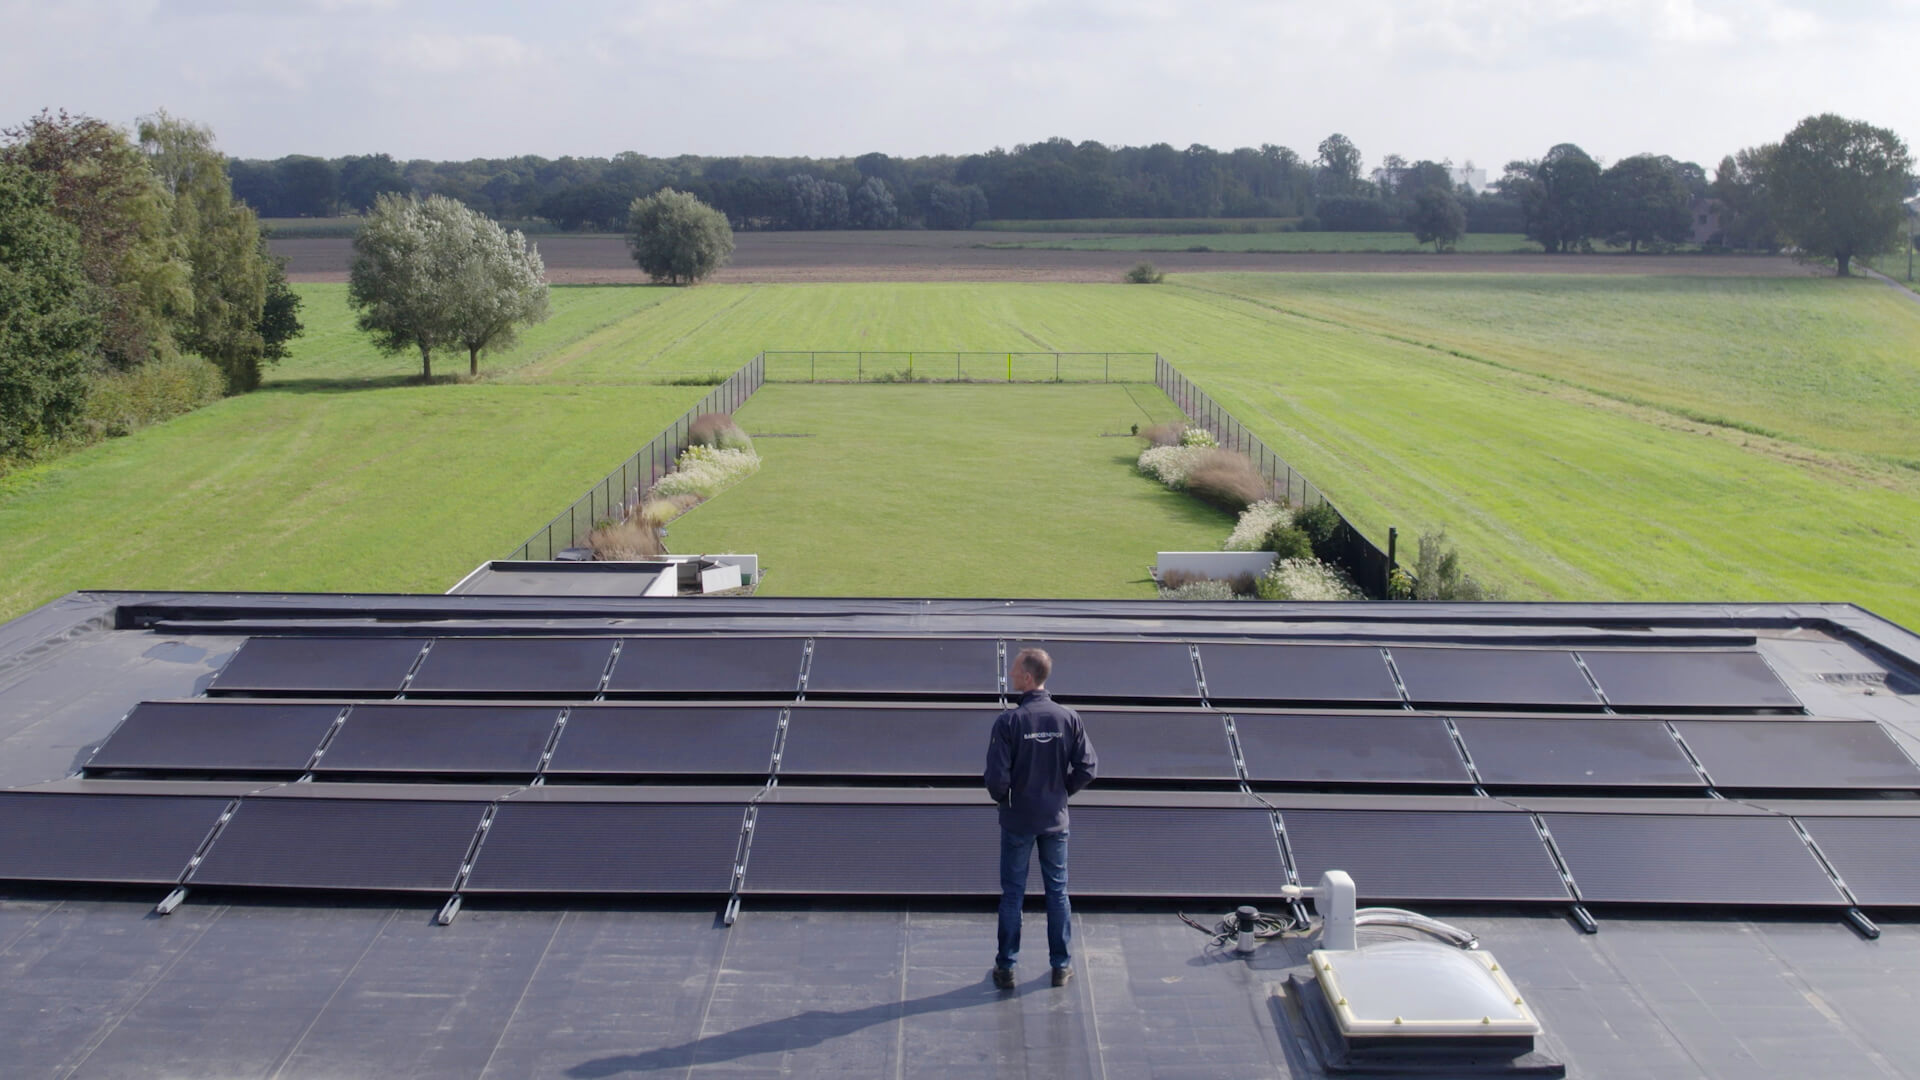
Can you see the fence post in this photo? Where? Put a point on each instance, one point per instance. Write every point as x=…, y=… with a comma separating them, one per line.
x=859, y=367
x=1393, y=545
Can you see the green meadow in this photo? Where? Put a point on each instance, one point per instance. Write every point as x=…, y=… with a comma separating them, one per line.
x=1580, y=437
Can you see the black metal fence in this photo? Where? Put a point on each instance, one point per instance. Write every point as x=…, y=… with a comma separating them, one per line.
x=1359, y=556
x=622, y=489
x=949, y=365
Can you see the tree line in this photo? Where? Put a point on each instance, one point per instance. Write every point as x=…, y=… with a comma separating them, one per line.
x=132, y=282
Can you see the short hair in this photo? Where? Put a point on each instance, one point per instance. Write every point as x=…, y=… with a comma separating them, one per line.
x=1037, y=664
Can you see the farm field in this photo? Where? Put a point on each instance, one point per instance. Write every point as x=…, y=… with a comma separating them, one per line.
x=1282, y=242
x=977, y=256
x=1827, y=363
x=1139, y=225
x=1546, y=422
x=978, y=491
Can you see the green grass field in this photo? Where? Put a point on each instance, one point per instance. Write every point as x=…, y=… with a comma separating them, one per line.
x=952, y=491
x=1280, y=242
x=388, y=490
x=1580, y=437
x=332, y=353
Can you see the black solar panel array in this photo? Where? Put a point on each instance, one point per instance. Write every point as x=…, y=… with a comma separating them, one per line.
x=1340, y=737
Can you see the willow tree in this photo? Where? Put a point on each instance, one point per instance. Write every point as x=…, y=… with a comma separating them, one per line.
x=430, y=273
x=676, y=238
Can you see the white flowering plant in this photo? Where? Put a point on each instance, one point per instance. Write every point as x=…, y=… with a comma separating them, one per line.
x=1198, y=436
x=1199, y=590
x=1171, y=464
x=1306, y=579
x=1256, y=523
x=706, y=471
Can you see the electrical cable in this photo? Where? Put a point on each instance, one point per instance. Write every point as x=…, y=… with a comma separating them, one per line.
x=1223, y=933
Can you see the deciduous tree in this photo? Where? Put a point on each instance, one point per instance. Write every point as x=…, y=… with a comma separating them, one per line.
x=1339, y=166
x=1559, y=195
x=100, y=184
x=227, y=270
x=498, y=283
x=1646, y=201
x=872, y=205
x=676, y=238
x=1835, y=188
x=1437, y=218
x=48, y=327
x=399, y=282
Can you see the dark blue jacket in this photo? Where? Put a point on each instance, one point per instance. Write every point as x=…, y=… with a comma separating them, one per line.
x=1039, y=754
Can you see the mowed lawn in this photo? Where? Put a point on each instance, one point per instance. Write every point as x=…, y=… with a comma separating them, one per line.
x=1591, y=438
x=1553, y=485
x=1327, y=242
x=951, y=490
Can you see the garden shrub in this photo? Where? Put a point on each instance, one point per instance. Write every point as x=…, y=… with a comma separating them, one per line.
x=706, y=472
x=1244, y=583
x=1226, y=478
x=1145, y=274
x=1290, y=543
x=160, y=389
x=626, y=540
x=1171, y=464
x=1437, y=574
x=718, y=431
x=1256, y=521
x=1321, y=523
x=1198, y=436
x=1162, y=434
x=1306, y=579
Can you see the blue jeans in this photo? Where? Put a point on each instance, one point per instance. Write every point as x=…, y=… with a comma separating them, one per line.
x=1014, y=851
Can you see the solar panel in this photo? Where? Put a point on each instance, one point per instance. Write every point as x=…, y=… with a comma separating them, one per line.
x=134, y=839
x=666, y=739
x=716, y=665
x=331, y=843
x=1798, y=754
x=1426, y=855
x=216, y=736
x=432, y=738
x=1707, y=679
x=839, y=850
x=1541, y=678
x=1576, y=752
x=1359, y=749
x=587, y=847
x=1159, y=745
x=1306, y=674
x=905, y=667
x=1689, y=859
x=549, y=666
x=1878, y=858
x=337, y=666
x=1172, y=851
x=1116, y=670
x=827, y=740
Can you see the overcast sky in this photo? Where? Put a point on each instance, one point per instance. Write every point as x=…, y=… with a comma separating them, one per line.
x=1479, y=80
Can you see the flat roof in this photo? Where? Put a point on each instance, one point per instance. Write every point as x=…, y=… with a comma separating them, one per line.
x=298, y=983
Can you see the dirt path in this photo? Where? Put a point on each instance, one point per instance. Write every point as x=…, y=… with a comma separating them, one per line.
x=962, y=256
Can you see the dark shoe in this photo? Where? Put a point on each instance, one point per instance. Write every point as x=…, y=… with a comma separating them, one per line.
x=1003, y=978
x=1063, y=975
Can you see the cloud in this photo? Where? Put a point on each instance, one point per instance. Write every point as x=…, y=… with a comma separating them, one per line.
x=1483, y=79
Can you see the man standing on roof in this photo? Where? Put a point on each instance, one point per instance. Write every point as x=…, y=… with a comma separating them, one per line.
x=1038, y=755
